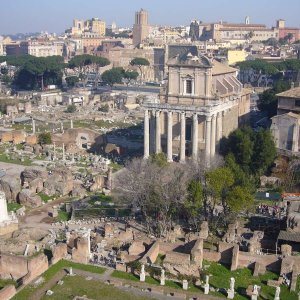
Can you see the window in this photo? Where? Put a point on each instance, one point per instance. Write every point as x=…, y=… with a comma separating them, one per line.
x=297, y=103
x=188, y=86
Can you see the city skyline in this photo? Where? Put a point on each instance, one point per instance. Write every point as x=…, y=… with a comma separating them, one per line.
x=55, y=16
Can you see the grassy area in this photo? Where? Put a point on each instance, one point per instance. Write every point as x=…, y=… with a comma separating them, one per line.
x=13, y=206
x=79, y=286
x=4, y=158
x=243, y=278
x=50, y=273
x=45, y=198
x=5, y=282
x=220, y=278
x=160, y=259
x=151, y=280
x=63, y=216
x=116, y=167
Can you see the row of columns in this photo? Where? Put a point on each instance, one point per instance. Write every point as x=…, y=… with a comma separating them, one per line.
x=213, y=134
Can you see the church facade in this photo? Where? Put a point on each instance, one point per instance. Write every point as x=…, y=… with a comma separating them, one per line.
x=202, y=102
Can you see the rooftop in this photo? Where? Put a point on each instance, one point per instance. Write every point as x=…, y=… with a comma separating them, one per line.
x=292, y=93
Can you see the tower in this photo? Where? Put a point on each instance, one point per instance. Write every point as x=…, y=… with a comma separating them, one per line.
x=247, y=20
x=140, y=27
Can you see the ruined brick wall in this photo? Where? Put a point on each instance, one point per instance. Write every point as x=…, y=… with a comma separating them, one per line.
x=13, y=267
x=7, y=292
x=36, y=266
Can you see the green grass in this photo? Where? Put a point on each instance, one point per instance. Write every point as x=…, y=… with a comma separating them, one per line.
x=26, y=162
x=63, y=216
x=124, y=275
x=13, y=206
x=45, y=198
x=79, y=286
x=243, y=278
x=50, y=273
x=5, y=282
x=116, y=167
x=160, y=259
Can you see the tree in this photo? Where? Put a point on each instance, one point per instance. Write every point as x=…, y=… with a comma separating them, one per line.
x=264, y=152
x=71, y=108
x=159, y=192
x=130, y=75
x=289, y=37
x=112, y=76
x=45, y=138
x=219, y=182
x=104, y=108
x=160, y=159
x=72, y=80
x=268, y=101
x=140, y=62
x=194, y=202
x=239, y=199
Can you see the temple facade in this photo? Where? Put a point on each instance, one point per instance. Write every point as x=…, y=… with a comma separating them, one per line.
x=201, y=102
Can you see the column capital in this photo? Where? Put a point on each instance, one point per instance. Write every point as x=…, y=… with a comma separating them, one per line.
x=208, y=118
x=195, y=117
x=170, y=113
x=157, y=113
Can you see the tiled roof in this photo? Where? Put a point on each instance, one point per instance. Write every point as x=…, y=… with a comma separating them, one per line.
x=292, y=93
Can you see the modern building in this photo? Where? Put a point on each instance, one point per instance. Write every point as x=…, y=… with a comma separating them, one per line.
x=141, y=28
x=202, y=102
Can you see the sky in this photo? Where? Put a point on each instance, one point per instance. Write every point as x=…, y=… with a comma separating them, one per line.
x=23, y=16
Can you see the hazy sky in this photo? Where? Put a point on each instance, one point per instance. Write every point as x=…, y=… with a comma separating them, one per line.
x=57, y=15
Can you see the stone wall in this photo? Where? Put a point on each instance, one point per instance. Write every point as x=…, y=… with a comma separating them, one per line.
x=7, y=292
x=8, y=268
x=59, y=252
x=152, y=253
x=16, y=267
x=36, y=266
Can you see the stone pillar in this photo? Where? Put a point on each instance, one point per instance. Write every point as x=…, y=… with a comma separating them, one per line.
x=63, y=152
x=162, y=277
x=185, y=285
x=207, y=139
x=146, y=134
x=206, y=286
x=170, y=136
x=295, y=146
x=142, y=274
x=182, y=138
x=71, y=125
x=213, y=137
x=33, y=126
x=152, y=132
x=62, y=127
x=195, y=137
x=157, y=133
x=3, y=208
x=219, y=126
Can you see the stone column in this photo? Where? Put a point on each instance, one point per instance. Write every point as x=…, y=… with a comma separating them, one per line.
x=71, y=125
x=146, y=134
x=152, y=131
x=157, y=132
x=219, y=126
x=63, y=152
x=33, y=126
x=62, y=127
x=295, y=146
x=3, y=208
x=195, y=137
x=213, y=137
x=170, y=136
x=182, y=137
x=207, y=139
